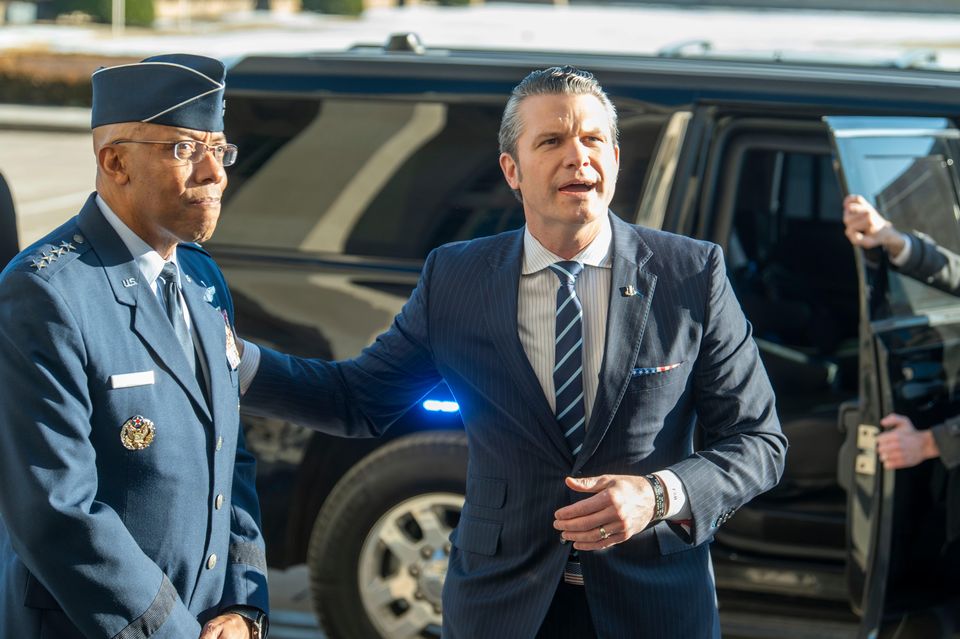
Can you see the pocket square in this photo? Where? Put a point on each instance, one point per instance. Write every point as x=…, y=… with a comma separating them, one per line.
x=637, y=372
x=127, y=380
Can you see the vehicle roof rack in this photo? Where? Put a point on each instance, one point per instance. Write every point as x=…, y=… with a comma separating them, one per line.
x=407, y=42
x=683, y=48
x=916, y=59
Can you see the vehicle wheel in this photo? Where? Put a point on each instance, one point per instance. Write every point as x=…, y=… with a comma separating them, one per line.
x=378, y=550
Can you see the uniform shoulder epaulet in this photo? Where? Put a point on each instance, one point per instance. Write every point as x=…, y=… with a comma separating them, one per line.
x=54, y=252
x=193, y=246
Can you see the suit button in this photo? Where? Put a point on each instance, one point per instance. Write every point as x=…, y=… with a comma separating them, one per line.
x=219, y=443
x=212, y=561
x=218, y=502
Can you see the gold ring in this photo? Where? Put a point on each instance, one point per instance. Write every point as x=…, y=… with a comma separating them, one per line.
x=603, y=533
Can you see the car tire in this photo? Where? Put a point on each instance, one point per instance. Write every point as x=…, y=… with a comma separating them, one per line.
x=378, y=550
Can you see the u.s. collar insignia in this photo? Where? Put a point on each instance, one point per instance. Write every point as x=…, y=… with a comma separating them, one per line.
x=137, y=433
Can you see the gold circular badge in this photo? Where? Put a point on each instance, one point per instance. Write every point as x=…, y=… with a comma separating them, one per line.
x=137, y=433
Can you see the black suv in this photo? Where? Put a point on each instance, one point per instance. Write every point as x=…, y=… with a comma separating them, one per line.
x=355, y=165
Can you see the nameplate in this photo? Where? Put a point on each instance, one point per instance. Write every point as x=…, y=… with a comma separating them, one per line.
x=127, y=380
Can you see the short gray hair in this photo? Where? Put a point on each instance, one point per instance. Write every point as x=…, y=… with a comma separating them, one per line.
x=565, y=80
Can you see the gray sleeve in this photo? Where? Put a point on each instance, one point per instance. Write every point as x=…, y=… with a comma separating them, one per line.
x=932, y=264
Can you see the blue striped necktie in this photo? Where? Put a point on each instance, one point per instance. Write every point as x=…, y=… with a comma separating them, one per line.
x=568, y=364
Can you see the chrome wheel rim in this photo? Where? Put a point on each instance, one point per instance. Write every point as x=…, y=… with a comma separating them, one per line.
x=403, y=562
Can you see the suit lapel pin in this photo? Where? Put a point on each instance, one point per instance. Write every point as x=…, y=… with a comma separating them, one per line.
x=130, y=281
x=629, y=291
x=137, y=433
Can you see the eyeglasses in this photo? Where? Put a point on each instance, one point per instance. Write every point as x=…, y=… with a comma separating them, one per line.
x=193, y=151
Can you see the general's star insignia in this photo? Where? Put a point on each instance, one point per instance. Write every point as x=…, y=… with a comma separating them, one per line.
x=67, y=246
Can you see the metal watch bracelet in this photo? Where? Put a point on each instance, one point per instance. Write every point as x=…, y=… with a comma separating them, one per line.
x=659, y=497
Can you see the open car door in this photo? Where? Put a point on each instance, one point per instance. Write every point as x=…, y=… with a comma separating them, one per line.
x=909, y=361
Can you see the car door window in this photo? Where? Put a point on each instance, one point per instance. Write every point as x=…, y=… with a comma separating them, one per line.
x=386, y=178
x=910, y=180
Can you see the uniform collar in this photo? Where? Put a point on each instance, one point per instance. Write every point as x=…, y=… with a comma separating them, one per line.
x=148, y=261
x=597, y=253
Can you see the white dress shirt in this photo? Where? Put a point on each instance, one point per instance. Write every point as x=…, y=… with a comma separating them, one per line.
x=536, y=323
x=904, y=255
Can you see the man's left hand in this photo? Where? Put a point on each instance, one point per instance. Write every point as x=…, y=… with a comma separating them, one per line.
x=621, y=506
x=227, y=626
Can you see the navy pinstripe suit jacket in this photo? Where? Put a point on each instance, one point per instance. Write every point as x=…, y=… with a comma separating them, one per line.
x=460, y=326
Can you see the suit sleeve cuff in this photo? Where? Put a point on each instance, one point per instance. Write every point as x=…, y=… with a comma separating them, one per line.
x=678, y=508
x=947, y=436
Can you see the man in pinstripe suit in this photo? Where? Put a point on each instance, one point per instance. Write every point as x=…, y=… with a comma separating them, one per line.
x=583, y=351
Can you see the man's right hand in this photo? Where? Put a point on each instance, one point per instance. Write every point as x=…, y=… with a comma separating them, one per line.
x=868, y=229
x=902, y=445
x=226, y=626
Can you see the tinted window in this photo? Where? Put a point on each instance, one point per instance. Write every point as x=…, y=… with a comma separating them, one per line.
x=788, y=209
x=908, y=172
x=383, y=178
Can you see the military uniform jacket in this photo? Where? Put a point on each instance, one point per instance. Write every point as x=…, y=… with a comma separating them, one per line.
x=99, y=539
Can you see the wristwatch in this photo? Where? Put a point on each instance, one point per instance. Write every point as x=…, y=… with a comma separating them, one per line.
x=256, y=627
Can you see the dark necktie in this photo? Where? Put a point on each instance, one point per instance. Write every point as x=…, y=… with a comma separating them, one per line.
x=169, y=293
x=568, y=365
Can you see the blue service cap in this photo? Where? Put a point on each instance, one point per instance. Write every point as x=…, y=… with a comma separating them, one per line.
x=179, y=89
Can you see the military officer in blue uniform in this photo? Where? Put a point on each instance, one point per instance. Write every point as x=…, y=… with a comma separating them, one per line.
x=127, y=501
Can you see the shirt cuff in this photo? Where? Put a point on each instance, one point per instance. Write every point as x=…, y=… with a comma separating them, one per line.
x=249, y=365
x=678, y=509
x=904, y=255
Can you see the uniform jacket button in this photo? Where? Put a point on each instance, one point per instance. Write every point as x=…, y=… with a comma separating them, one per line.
x=218, y=502
x=212, y=561
x=219, y=442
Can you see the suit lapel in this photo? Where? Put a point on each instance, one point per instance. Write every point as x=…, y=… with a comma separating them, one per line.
x=149, y=320
x=151, y=324
x=500, y=289
x=626, y=321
